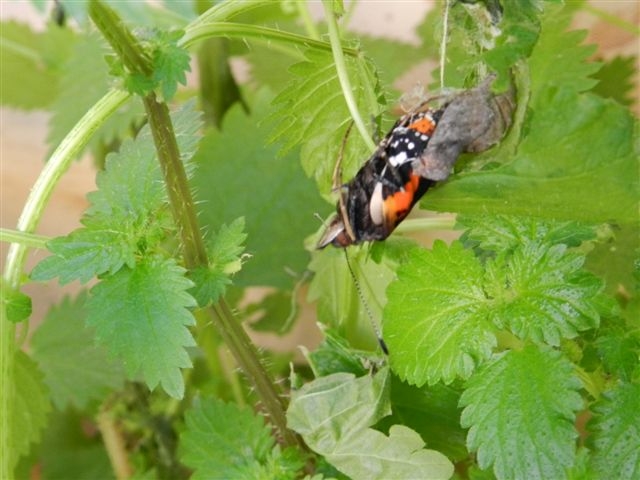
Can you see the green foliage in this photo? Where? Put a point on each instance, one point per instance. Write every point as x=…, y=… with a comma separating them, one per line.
x=29, y=407
x=311, y=112
x=616, y=428
x=140, y=314
x=518, y=419
x=127, y=214
x=169, y=63
x=18, y=304
x=333, y=414
x=76, y=371
x=238, y=174
x=501, y=344
x=541, y=293
x=221, y=440
x=225, y=251
x=436, y=321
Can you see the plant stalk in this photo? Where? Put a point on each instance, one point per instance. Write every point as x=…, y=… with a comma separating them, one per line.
x=343, y=76
x=184, y=213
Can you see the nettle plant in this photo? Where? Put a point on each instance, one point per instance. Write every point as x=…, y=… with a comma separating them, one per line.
x=513, y=350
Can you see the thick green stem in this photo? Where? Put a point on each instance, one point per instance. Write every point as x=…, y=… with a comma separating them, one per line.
x=184, y=214
x=38, y=198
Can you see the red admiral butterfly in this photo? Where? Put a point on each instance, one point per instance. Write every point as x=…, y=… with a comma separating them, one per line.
x=419, y=150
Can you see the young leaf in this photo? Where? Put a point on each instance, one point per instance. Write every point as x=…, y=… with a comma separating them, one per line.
x=222, y=440
x=435, y=322
x=616, y=433
x=236, y=161
x=75, y=369
x=224, y=260
x=521, y=410
x=312, y=112
x=141, y=316
x=170, y=62
x=29, y=406
x=333, y=415
x=542, y=293
x=18, y=304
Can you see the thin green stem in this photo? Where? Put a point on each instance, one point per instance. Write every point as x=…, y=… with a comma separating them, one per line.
x=257, y=32
x=30, y=217
x=343, y=77
x=30, y=240
x=612, y=19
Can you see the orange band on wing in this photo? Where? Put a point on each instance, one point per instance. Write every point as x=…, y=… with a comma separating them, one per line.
x=397, y=206
x=424, y=126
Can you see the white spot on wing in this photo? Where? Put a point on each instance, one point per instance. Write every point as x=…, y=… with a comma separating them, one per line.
x=376, y=205
x=398, y=159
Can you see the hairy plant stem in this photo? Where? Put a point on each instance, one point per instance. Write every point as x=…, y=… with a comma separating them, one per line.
x=184, y=213
x=30, y=240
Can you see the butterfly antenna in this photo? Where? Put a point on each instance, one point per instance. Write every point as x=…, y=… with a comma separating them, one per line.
x=374, y=325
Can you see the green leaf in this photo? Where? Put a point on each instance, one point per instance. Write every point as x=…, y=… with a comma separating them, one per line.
x=339, y=304
x=542, y=293
x=170, y=62
x=31, y=64
x=616, y=433
x=619, y=348
x=29, y=407
x=616, y=79
x=18, y=304
x=312, y=112
x=76, y=370
x=225, y=251
x=435, y=322
x=501, y=233
x=141, y=316
x=277, y=200
x=593, y=177
x=84, y=254
x=520, y=411
x=128, y=214
x=222, y=440
x=558, y=59
x=432, y=412
x=333, y=414
x=334, y=355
